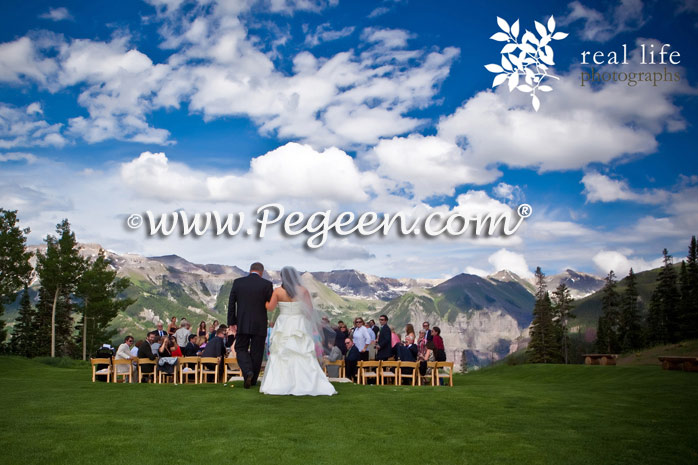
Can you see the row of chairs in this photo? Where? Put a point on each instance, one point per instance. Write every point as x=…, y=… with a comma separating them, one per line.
x=198, y=368
x=395, y=372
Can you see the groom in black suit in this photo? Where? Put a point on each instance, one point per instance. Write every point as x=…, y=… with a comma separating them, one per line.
x=247, y=312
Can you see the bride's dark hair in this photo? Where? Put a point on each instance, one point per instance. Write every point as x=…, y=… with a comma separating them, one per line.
x=290, y=281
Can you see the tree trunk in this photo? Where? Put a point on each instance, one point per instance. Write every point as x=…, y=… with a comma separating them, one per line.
x=53, y=322
x=84, y=332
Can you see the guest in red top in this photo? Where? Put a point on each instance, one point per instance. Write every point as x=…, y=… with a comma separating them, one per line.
x=439, y=349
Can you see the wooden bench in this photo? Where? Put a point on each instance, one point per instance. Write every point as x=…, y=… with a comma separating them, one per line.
x=670, y=362
x=600, y=359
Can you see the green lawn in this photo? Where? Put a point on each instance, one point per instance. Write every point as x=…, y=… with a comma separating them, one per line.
x=503, y=415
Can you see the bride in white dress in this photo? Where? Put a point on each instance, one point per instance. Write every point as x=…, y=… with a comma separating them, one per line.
x=292, y=366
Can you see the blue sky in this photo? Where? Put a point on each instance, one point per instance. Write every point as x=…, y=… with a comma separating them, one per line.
x=111, y=109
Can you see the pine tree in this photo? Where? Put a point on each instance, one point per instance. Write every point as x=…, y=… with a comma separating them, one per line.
x=99, y=291
x=59, y=270
x=607, y=339
x=562, y=313
x=662, y=318
x=690, y=328
x=15, y=269
x=630, y=321
x=24, y=335
x=544, y=346
x=684, y=307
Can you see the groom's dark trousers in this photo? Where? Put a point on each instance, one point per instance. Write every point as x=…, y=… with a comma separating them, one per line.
x=247, y=310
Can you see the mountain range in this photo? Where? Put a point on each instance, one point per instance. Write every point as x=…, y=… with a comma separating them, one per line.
x=481, y=318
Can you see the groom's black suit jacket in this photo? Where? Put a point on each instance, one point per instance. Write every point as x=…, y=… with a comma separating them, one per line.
x=246, y=305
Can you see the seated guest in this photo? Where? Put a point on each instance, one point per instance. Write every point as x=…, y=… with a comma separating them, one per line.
x=124, y=353
x=351, y=360
x=408, y=351
x=135, y=348
x=105, y=351
x=333, y=355
x=158, y=342
x=201, y=343
x=229, y=337
x=216, y=347
x=191, y=349
x=422, y=343
x=145, y=351
x=395, y=339
x=439, y=349
x=167, y=355
x=428, y=357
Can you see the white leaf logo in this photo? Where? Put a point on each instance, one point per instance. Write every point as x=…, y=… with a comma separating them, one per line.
x=534, y=57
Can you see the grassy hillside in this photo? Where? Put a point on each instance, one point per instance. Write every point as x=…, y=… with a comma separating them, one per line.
x=650, y=356
x=524, y=415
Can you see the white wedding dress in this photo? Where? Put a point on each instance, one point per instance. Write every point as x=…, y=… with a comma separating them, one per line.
x=292, y=367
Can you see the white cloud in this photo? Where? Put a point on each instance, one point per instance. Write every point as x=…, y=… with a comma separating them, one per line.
x=292, y=171
x=601, y=188
x=57, y=14
x=21, y=59
x=625, y=16
x=608, y=122
x=504, y=259
x=608, y=260
x=20, y=127
x=324, y=33
x=17, y=156
x=427, y=165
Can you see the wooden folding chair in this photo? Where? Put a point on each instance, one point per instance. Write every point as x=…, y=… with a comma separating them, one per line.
x=143, y=362
x=431, y=373
x=409, y=371
x=388, y=371
x=188, y=366
x=438, y=375
x=204, y=370
x=162, y=375
x=338, y=363
x=232, y=369
x=368, y=370
x=124, y=374
x=102, y=371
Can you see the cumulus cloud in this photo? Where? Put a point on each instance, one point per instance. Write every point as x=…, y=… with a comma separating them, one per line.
x=607, y=122
x=292, y=171
x=426, y=165
x=608, y=260
x=601, y=188
x=625, y=16
x=504, y=259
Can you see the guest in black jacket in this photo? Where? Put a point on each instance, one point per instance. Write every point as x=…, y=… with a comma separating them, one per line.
x=191, y=348
x=216, y=347
x=351, y=360
x=385, y=336
x=145, y=351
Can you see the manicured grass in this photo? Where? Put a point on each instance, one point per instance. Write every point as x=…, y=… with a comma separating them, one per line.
x=527, y=414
